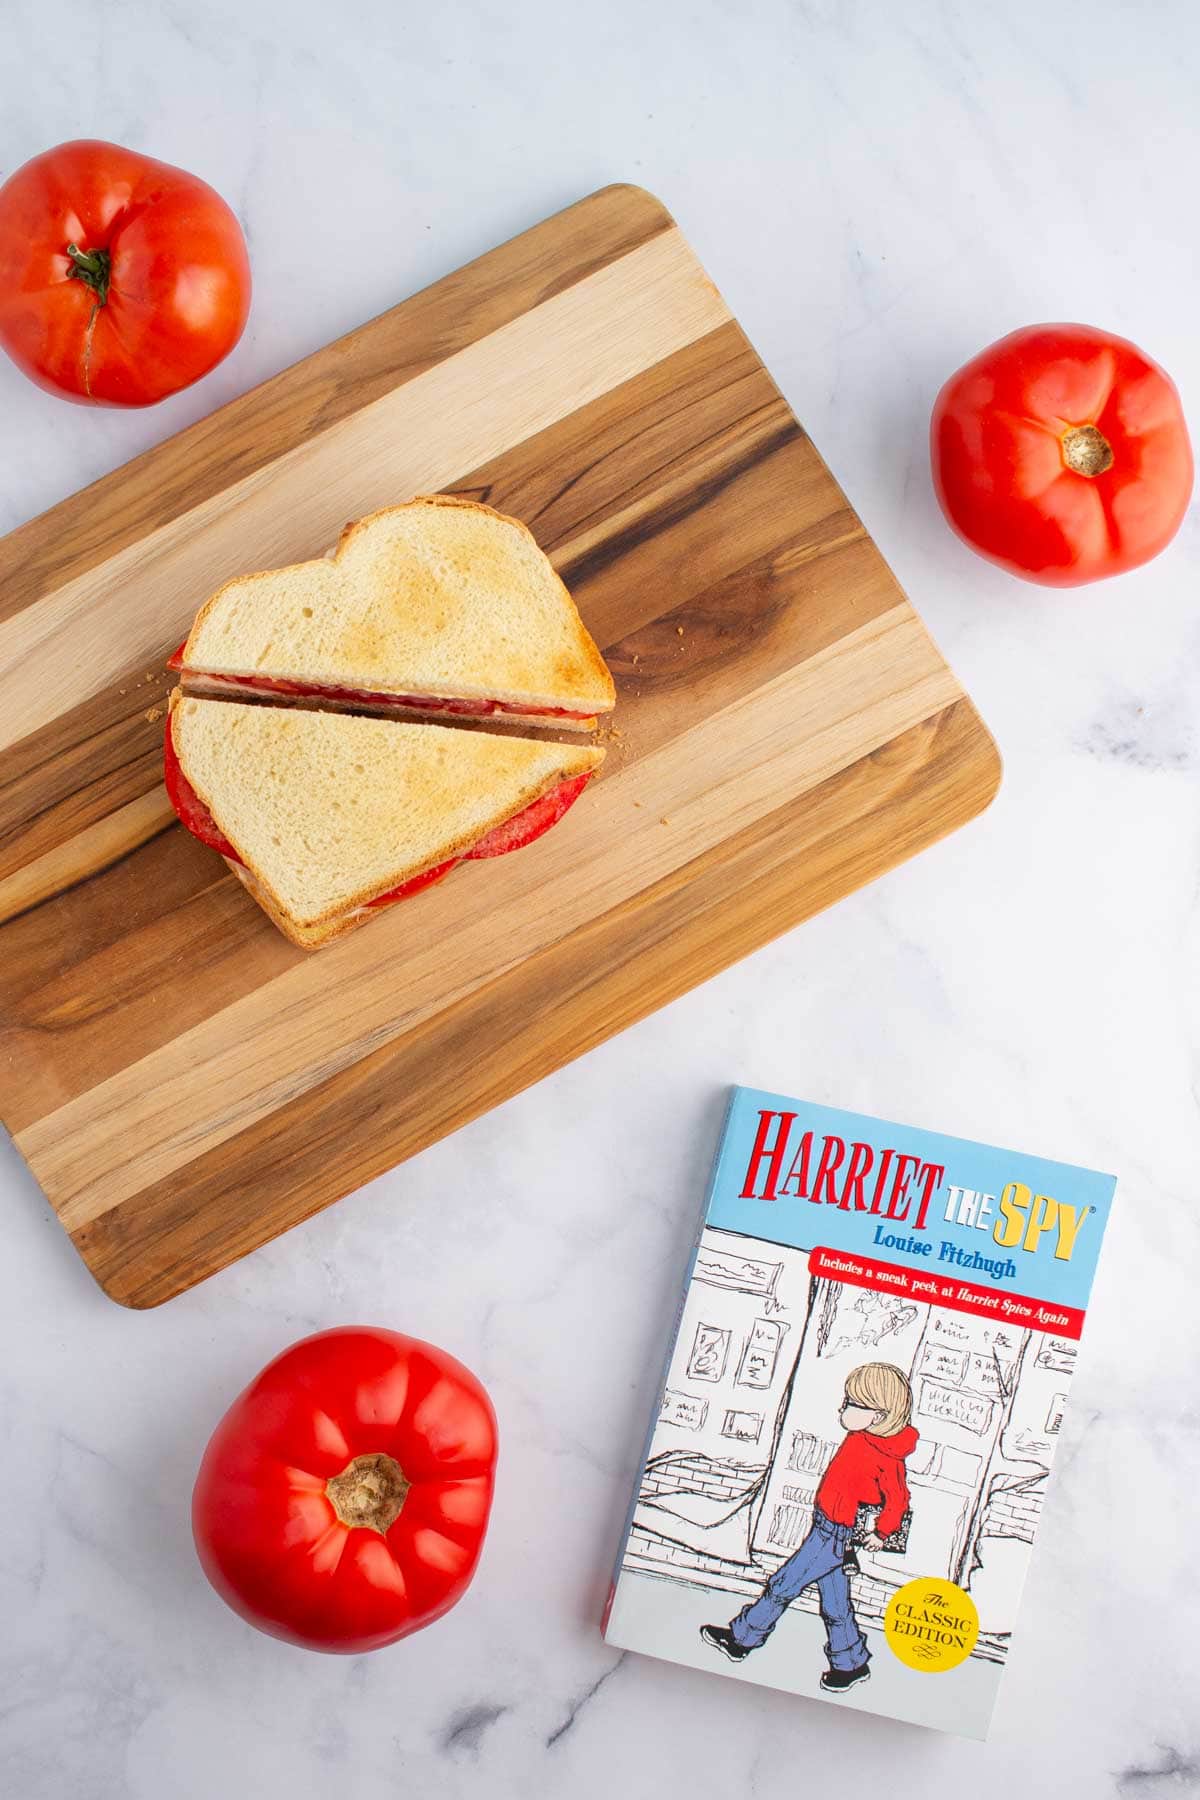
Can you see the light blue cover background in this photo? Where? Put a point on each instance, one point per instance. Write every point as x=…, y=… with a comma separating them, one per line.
x=984, y=1167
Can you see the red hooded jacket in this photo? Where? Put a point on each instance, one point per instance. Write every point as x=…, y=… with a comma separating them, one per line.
x=868, y=1471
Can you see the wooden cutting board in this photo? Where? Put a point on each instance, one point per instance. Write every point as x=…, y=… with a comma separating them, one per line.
x=182, y=1082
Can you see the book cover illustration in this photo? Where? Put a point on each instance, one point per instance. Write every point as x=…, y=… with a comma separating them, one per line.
x=844, y=1478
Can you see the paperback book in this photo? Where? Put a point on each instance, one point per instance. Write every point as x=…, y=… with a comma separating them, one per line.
x=853, y=1439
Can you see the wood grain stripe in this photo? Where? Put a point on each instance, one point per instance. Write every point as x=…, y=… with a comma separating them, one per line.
x=84, y=855
x=711, y=781
x=622, y=965
x=420, y=437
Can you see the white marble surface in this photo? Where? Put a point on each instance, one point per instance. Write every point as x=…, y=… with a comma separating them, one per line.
x=880, y=188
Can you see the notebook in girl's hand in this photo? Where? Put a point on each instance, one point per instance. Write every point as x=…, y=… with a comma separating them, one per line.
x=877, y=1321
x=896, y=1542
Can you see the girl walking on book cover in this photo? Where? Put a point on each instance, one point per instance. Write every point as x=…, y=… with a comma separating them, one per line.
x=867, y=1469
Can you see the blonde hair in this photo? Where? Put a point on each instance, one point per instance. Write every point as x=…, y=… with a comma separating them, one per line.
x=883, y=1388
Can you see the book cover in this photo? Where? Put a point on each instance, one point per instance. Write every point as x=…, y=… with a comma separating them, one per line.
x=846, y=1470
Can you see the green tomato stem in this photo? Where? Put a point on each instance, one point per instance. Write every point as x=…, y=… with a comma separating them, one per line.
x=93, y=268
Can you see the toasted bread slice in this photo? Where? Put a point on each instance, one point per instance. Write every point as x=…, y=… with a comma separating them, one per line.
x=329, y=811
x=440, y=600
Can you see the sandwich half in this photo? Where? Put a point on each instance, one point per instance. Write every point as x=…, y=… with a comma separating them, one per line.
x=440, y=606
x=326, y=816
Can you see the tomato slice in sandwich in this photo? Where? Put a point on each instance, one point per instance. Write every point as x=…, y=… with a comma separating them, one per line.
x=531, y=823
x=363, y=697
x=418, y=882
x=187, y=803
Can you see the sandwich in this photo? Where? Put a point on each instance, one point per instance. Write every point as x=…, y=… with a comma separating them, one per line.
x=316, y=740
x=327, y=815
x=441, y=607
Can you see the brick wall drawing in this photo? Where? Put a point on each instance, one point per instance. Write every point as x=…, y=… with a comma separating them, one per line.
x=714, y=1476
x=1014, y=1510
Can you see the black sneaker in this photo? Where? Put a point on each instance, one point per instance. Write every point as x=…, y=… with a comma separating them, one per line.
x=836, y=1681
x=722, y=1639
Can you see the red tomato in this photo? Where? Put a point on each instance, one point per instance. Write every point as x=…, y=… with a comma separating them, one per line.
x=1061, y=453
x=343, y=1499
x=121, y=278
x=533, y=821
x=426, y=703
x=438, y=873
x=187, y=803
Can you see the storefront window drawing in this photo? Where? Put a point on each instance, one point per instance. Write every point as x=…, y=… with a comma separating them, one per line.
x=710, y=1353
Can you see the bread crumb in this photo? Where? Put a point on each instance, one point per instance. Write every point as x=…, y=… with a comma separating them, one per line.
x=664, y=821
x=636, y=657
x=679, y=631
x=123, y=690
x=154, y=715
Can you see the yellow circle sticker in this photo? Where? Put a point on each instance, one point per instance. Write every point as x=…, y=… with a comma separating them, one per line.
x=931, y=1624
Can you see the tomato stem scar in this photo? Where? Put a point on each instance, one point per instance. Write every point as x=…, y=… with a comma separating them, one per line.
x=93, y=268
x=1086, y=450
x=369, y=1493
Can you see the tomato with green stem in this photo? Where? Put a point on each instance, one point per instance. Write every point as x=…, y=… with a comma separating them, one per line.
x=122, y=279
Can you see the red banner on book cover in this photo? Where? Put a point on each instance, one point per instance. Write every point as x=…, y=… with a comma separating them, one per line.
x=938, y=1289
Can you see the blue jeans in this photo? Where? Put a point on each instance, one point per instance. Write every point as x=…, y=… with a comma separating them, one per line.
x=819, y=1560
